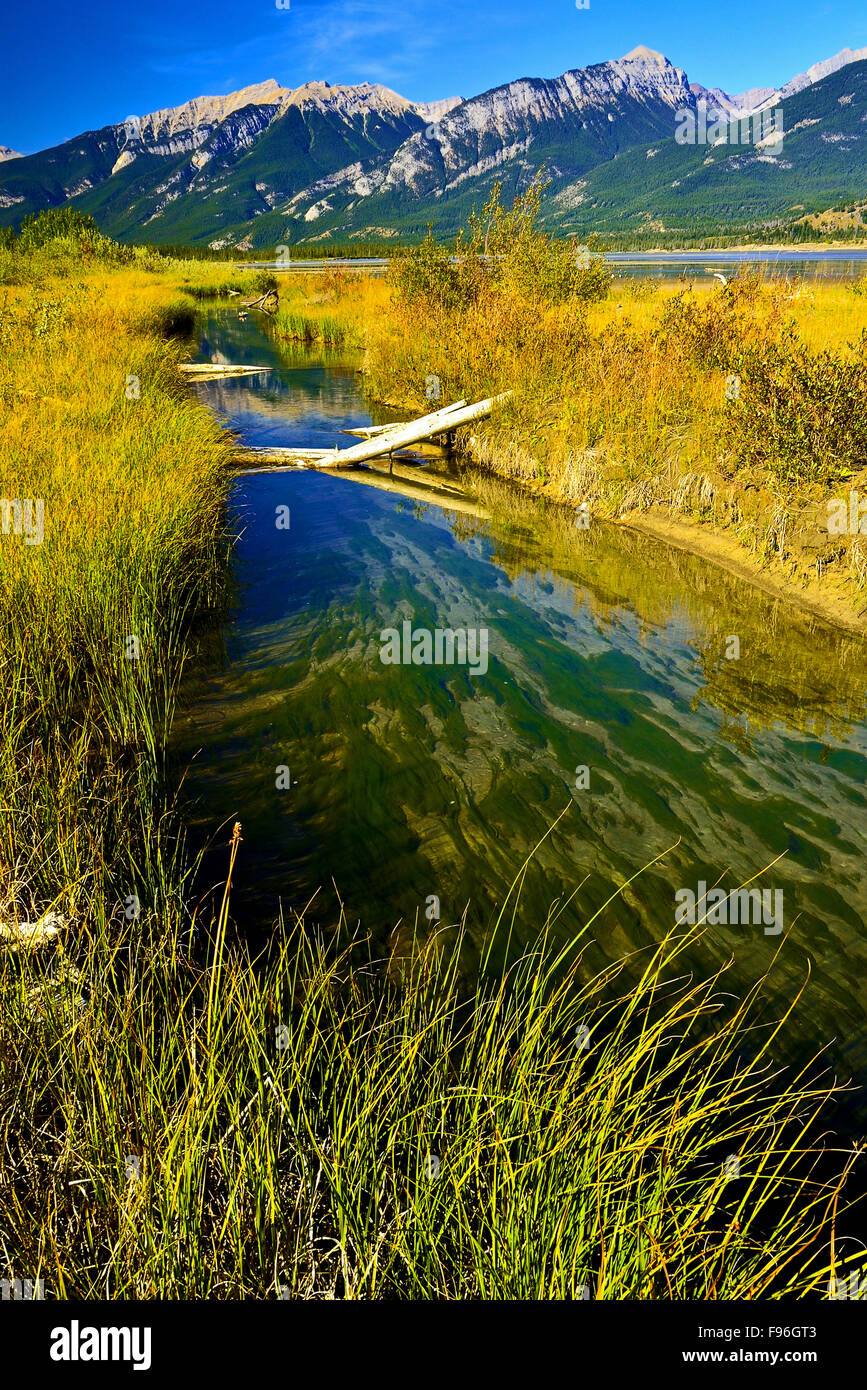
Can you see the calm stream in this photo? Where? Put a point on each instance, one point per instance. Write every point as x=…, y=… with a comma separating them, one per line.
x=606, y=651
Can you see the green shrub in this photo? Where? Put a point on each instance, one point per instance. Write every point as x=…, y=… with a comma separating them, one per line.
x=63, y=237
x=501, y=249
x=715, y=333
x=147, y=258
x=263, y=282
x=427, y=275
x=802, y=414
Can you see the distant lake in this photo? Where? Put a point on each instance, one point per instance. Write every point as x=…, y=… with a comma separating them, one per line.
x=848, y=264
x=841, y=264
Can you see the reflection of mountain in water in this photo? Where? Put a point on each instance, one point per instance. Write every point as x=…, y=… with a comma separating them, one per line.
x=606, y=650
x=309, y=397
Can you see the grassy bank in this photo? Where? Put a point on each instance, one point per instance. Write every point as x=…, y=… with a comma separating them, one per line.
x=98, y=619
x=179, y=1120
x=186, y=1123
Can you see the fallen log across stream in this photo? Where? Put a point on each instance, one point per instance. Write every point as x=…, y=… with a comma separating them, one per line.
x=373, y=431
x=389, y=439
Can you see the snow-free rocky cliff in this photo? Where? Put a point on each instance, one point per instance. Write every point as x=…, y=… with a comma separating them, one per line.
x=271, y=164
x=486, y=132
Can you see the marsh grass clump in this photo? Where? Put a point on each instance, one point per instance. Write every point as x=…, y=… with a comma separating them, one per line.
x=295, y=327
x=332, y=1122
x=98, y=621
x=216, y=288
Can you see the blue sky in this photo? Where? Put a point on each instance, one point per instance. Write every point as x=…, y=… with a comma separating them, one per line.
x=72, y=67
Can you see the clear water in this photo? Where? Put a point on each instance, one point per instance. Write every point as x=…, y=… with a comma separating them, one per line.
x=821, y=265
x=606, y=651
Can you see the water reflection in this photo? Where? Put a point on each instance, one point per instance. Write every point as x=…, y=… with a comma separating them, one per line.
x=607, y=650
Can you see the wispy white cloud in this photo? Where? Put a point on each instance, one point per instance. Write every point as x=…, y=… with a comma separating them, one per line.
x=387, y=41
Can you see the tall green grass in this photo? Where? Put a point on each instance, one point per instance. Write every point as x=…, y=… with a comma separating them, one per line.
x=97, y=622
x=313, y=328
x=188, y=1122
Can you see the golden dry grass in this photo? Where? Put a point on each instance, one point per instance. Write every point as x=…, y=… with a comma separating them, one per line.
x=626, y=403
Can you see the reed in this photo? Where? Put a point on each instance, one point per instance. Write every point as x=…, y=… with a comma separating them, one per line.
x=313, y=328
x=98, y=621
x=180, y=1119
x=184, y=1121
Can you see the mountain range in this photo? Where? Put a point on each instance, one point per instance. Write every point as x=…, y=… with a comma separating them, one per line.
x=270, y=165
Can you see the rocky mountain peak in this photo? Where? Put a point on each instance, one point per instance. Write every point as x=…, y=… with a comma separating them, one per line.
x=434, y=111
x=350, y=101
x=207, y=111
x=648, y=56
x=356, y=159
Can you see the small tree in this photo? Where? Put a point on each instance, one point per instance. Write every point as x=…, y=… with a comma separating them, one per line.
x=532, y=262
x=426, y=274
x=500, y=248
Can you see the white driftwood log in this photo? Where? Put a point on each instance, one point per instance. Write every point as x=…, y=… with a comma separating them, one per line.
x=215, y=370
x=402, y=436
